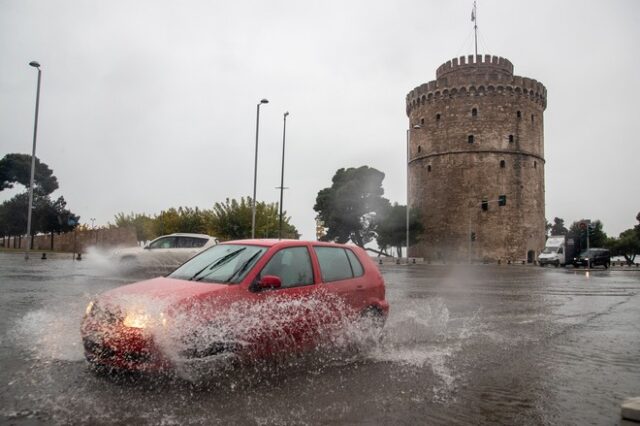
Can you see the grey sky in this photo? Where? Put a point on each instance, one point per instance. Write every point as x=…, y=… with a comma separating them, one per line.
x=147, y=105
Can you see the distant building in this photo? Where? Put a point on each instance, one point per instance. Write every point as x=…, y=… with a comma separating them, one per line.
x=476, y=162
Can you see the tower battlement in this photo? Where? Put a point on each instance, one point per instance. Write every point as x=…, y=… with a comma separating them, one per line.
x=475, y=63
x=477, y=75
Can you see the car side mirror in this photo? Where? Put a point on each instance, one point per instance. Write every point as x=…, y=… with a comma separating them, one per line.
x=147, y=247
x=270, y=281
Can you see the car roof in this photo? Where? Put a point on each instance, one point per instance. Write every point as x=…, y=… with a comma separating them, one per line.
x=185, y=234
x=270, y=242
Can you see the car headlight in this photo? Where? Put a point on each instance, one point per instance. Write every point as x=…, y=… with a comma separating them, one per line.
x=89, y=307
x=136, y=320
x=140, y=319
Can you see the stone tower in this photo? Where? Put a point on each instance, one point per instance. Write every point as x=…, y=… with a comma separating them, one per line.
x=479, y=141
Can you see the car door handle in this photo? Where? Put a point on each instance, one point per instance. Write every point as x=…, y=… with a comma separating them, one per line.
x=360, y=287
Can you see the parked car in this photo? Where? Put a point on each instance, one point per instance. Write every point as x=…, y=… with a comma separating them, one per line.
x=593, y=257
x=245, y=299
x=167, y=250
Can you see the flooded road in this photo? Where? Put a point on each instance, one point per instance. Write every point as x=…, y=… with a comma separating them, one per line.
x=463, y=345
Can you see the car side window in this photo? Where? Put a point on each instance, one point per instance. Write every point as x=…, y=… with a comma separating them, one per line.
x=190, y=242
x=292, y=265
x=334, y=263
x=163, y=243
x=356, y=266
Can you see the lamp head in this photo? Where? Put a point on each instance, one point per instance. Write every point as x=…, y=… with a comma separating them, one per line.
x=286, y=113
x=417, y=126
x=34, y=64
x=264, y=101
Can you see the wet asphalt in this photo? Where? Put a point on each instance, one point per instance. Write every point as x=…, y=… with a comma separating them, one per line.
x=485, y=344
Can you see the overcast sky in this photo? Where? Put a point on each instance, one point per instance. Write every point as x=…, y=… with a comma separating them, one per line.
x=147, y=105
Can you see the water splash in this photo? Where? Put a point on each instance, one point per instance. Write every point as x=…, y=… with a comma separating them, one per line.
x=50, y=334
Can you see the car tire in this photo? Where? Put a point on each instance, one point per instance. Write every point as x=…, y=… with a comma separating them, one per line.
x=557, y=263
x=606, y=265
x=374, y=317
x=128, y=261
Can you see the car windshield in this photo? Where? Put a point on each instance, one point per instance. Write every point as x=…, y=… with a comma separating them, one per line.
x=589, y=252
x=224, y=264
x=549, y=250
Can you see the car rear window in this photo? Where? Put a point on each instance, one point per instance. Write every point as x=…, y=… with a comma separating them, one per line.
x=337, y=263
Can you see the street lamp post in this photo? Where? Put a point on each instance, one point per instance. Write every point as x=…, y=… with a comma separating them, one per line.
x=33, y=161
x=416, y=126
x=284, y=133
x=255, y=170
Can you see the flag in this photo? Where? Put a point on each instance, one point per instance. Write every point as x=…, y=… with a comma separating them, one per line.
x=473, y=12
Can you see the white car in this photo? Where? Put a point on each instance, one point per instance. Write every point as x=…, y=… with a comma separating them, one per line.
x=166, y=251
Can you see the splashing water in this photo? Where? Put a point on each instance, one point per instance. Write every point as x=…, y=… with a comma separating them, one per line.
x=50, y=334
x=206, y=341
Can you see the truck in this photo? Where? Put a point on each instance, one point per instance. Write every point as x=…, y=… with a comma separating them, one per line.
x=558, y=251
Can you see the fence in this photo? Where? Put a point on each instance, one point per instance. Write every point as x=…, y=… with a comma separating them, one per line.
x=76, y=241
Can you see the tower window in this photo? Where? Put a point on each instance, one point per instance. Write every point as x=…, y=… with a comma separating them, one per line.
x=535, y=164
x=419, y=149
x=429, y=168
x=422, y=121
x=510, y=138
x=532, y=116
x=502, y=164
x=474, y=112
x=502, y=200
x=438, y=117
x=519, y=114
x=470, y=139
x=485, y=205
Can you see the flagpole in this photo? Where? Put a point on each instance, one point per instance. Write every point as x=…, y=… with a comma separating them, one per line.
x=474, y=15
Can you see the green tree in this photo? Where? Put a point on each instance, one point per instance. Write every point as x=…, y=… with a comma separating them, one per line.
x=558, y=227
x=142, y=223
x=231, y=220
x=349, y=207
x=16, y=168
x=392, y=228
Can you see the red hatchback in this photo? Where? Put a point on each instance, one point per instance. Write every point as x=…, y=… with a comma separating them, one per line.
x=242, y=299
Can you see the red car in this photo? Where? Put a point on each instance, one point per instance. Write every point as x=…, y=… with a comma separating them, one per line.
x=243, y=299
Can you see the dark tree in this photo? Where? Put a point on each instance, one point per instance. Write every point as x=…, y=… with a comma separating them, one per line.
x=558, y=227
x=392, y=228
x=349, y=207
x=597, y=237
x=47, y=215
x=627, y=245
x=55, y=217
x=16, y=168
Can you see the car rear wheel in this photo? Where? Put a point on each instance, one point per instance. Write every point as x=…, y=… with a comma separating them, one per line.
x=373, y=320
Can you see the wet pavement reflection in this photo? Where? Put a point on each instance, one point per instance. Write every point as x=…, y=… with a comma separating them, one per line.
x=482, y=344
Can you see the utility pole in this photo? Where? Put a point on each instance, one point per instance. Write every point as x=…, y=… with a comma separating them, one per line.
x=33, y=161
